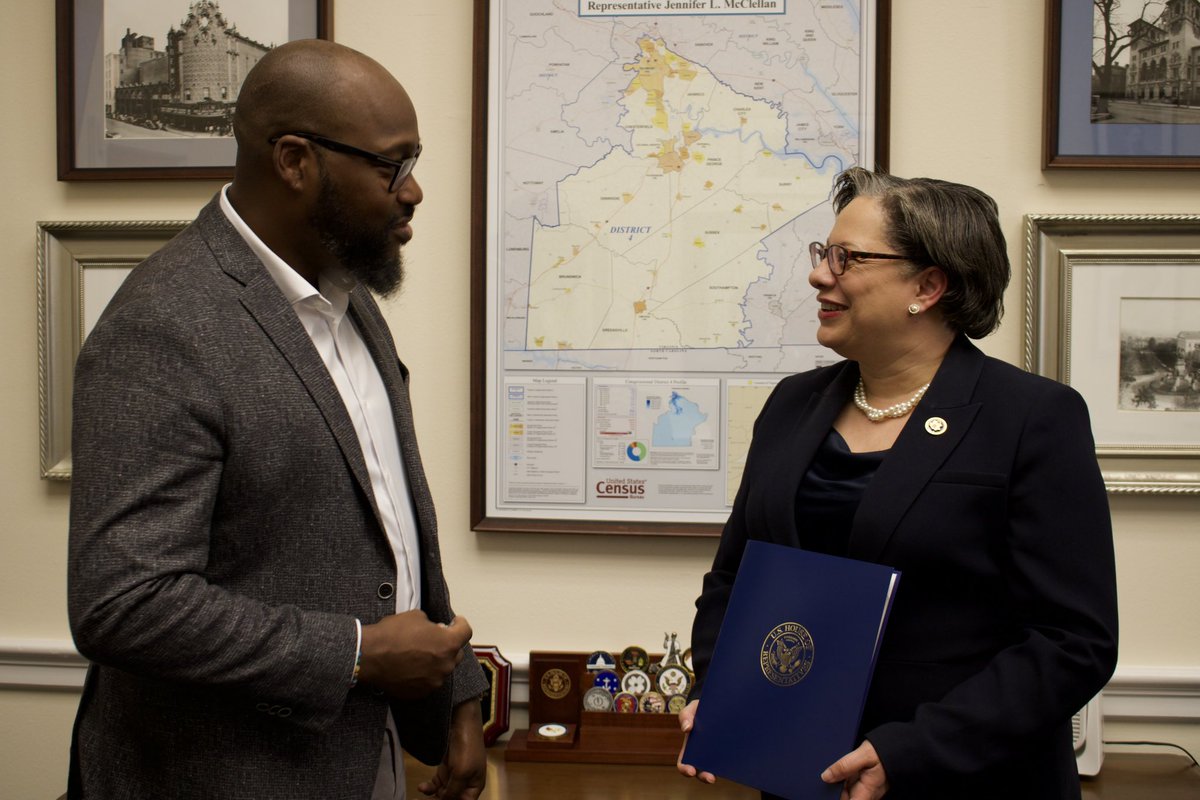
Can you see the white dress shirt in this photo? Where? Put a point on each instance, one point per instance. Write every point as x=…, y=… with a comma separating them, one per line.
x=337, y=340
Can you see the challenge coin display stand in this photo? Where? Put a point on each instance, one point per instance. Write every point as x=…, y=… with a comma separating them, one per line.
x=557, y=683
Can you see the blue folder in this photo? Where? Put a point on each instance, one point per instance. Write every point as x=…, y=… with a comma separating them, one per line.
x=784, y=693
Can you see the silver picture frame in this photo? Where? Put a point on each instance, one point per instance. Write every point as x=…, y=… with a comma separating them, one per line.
x=1098, y=288
x=79, y=267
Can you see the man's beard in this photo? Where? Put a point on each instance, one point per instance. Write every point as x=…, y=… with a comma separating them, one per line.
x=371, y=256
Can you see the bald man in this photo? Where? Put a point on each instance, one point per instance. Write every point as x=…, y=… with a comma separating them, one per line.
x=254, y=568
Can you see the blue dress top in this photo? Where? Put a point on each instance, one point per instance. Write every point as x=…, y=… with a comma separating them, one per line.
x=830, y=492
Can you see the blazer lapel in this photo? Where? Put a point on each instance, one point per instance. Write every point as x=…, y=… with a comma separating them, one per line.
x=918, y=453
x=264, y=301
x=390, y=369
x=379, y=342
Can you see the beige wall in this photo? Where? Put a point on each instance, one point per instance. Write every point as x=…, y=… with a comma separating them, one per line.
x=967, y=104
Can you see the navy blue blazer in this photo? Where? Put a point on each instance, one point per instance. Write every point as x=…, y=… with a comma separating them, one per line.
x=1005, y=622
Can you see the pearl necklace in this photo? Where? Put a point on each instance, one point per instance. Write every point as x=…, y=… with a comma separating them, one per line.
x=891, y=412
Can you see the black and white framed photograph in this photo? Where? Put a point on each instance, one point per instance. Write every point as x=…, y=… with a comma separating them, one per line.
x=1160, y=351
x=1122, y=84
x=1113, y=309
x=80, y=266
x=146, y=88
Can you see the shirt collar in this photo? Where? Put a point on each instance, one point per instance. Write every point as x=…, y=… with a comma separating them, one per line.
x=335, y=287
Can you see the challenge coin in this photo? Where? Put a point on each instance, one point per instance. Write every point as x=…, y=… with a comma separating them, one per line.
x=597, y=698
x=653, y=703
x=601, y=660
x=608, y=680
x=634, y=657
x=676, y=703
x=674, y=680
x=551, y=730
x=636, y=682
x=625, y=703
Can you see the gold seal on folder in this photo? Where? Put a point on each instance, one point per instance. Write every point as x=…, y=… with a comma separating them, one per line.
x=787, y=654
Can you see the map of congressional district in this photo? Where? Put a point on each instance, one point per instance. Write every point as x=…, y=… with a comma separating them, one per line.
x=657, y=246
x=663, y=176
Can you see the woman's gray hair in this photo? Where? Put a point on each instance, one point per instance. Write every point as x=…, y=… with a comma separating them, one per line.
x=948, y=225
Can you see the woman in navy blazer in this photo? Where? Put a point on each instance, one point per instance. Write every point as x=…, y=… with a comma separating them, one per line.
x=974, y=478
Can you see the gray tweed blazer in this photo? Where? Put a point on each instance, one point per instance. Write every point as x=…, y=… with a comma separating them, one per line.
x=224, y=537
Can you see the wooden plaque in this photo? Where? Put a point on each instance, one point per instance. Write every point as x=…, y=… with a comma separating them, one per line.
x=556, y=687
x=495, y=701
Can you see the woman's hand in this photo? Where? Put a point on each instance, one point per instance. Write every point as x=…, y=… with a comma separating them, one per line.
x=686, y=718
x=861, y=771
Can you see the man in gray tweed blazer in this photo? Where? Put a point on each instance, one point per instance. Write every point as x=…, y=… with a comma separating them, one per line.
x=254, y=567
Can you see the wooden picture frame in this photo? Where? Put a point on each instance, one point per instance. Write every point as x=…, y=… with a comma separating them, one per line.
x=587, y=493
x=1118, y=96
x=155, y=104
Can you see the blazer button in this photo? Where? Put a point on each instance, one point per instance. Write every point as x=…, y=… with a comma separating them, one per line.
x=385, y=591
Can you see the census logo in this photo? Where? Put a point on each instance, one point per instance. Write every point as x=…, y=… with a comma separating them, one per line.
x=621, y=489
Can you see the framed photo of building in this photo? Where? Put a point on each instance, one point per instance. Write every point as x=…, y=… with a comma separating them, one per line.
x=647, y=180
x=1112, y=308
x=146, y=88
x=1122, y=86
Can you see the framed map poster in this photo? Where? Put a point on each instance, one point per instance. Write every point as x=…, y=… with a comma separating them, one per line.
x=648, y=176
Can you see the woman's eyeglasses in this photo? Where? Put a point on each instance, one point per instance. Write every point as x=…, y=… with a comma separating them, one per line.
x=839, y=258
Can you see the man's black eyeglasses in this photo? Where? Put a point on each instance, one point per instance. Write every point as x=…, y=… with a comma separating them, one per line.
x=403, y=168
x=838, y=257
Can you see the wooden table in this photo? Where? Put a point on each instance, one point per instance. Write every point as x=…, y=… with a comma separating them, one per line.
x=1125, y=776
x=1142, y=776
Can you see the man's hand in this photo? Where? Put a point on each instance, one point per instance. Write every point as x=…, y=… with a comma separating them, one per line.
x=463, y=772
x=862, y=773
x=686, y=718
x=408, y=656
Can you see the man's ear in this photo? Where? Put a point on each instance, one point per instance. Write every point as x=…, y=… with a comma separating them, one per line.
x=295, y=163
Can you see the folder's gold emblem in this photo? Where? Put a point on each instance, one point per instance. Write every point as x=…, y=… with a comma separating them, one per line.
x=787, y=654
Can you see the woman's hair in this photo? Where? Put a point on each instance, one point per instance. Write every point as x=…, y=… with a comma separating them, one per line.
x=948, y=225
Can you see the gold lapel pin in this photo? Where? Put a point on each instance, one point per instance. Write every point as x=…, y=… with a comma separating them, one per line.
x=935, y=426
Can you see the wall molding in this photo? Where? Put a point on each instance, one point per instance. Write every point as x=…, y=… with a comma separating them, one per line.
x=1135, y=693
x=41, y=664
x=1158, y=694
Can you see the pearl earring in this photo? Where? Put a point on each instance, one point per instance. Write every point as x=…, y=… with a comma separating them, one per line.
x=914, y=309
